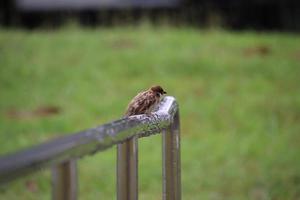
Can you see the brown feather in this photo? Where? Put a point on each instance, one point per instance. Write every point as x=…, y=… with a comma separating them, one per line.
x=142, y=103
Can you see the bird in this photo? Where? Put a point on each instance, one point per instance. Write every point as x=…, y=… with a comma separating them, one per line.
x=144, y=102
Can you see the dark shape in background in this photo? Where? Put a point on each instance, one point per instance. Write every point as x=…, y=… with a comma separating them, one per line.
x=235, y=14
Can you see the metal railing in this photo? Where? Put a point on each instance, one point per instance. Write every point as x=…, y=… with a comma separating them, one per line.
x=61, y=154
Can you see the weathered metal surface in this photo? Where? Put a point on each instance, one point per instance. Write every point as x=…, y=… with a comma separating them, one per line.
x=127, y=170
x=171, y=161
x=64, y=181
x=86, y=142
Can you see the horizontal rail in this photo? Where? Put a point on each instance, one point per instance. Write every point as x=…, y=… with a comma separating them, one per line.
x=87, y=142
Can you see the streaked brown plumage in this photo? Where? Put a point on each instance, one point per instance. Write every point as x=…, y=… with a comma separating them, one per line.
x=144, y=102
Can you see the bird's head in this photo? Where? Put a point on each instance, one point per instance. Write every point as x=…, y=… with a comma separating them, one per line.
x=158, y=90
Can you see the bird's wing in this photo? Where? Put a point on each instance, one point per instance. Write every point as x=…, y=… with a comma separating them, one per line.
x=141, y=103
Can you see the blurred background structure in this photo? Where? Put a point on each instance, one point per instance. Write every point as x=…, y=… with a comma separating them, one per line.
x=233, y=66
x=236, y=14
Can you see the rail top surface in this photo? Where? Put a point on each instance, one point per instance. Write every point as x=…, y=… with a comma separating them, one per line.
x=87, y=142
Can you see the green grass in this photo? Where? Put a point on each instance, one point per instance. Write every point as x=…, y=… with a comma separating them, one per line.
x=240, y=105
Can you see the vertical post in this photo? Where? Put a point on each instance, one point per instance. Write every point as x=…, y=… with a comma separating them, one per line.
x=64, y=181
x=127, y=170
x=171, y=161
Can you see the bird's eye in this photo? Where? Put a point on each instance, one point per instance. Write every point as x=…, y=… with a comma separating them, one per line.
x=158, y=94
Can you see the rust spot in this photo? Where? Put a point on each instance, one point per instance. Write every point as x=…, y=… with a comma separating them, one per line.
x=31, y=186
x=261, y=50
x=123, y=44
x=46, y=111
x=297, y=55
x=199, y=91
x=42, y=111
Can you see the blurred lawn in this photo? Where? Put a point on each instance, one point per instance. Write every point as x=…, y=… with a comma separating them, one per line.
x=239, y=95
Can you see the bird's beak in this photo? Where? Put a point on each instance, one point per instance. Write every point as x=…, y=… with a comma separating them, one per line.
x=164, y=92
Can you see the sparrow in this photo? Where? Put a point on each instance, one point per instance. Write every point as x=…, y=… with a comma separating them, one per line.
x=144, y=102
